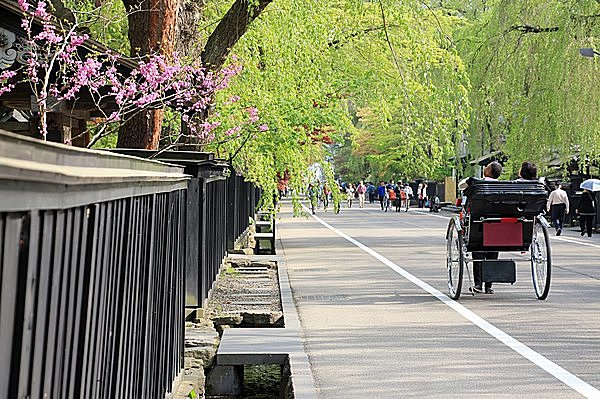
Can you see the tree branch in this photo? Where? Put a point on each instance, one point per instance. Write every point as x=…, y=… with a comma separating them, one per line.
x=338, y=42
x=387, y=38
x=229, y=30
x=232, y=156
x=532, y=29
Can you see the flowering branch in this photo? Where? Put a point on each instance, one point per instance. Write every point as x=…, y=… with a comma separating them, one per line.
x=57, y=69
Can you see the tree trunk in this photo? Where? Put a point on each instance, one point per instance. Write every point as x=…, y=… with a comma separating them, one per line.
x=189, y=16
x=231, y=28
x=151, y=29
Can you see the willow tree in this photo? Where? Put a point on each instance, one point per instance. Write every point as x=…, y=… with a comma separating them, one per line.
x=287, y=65
x=308, y=65
x=408, y=83
x=534, y=97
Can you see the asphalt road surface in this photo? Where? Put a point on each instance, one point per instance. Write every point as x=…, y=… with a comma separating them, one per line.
x=370, y=288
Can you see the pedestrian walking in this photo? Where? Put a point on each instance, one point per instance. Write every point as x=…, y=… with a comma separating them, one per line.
x=422, y=194
x=371, y=192
x=350, y=194
x=398, y=191
x=312, y=197
x=326, y=194
x=586, y=211
x=408, y=195
x=381, y=192
x=434, y=203
x=361, y=189
x=390, y=199
x=558, y=205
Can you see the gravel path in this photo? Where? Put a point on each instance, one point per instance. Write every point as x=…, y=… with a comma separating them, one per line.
x=247, y=294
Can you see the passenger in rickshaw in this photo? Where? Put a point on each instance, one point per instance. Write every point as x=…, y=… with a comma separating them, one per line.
x=528, y=171
x=499, y=216
x=491, y=172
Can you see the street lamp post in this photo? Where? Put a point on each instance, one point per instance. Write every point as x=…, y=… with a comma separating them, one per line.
x=588, y=52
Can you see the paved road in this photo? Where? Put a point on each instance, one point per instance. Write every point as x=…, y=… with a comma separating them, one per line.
x=370, y=332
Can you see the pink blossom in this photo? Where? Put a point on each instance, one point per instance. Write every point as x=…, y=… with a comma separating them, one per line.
x=5, y=75
x=41, y=12
x=157, y=81
x=208, y=127
x=263, y=128
x=232, y=99
x=252, y=114
x=24, y=5
x=114, y=117
x=233, y=130
x=6, y=88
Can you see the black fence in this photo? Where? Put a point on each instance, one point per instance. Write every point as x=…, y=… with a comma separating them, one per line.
x=241, y=206
x=220, y=204
x=95, y=252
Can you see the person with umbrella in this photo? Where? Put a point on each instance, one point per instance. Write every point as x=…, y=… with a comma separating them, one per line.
x=587, y=206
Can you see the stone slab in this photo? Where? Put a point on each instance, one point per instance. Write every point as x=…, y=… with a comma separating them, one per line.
x=252, y=346
x=271, y=345
x=263, y=235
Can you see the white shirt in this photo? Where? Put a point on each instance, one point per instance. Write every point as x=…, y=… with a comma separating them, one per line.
x=558, y=196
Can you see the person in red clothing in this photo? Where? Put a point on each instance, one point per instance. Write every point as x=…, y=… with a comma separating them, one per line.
x=391, y=197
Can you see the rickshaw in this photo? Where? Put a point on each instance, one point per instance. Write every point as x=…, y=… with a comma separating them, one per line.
x=500, y=216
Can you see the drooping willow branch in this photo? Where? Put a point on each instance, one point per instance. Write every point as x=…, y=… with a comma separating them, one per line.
x=387, y=38
x=532, y=29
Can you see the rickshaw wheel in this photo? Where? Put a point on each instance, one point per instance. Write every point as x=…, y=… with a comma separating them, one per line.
x=455, y=260
x=541, y=260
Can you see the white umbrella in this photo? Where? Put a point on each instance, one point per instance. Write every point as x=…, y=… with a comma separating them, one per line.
x=591, y=184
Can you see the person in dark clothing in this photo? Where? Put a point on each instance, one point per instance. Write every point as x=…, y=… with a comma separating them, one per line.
x=371, y=192
x=528, y=171
x=398, y=191
x=381, y=193
x=491, y=173
x=586, y=211
x=312, y=197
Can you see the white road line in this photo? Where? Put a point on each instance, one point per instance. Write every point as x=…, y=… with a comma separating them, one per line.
x=545, y=364
x=574, y=241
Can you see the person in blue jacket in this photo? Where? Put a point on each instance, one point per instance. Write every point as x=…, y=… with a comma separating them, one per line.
x=381, y=193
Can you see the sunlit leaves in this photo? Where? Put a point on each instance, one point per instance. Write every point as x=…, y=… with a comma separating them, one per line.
x=534, y=96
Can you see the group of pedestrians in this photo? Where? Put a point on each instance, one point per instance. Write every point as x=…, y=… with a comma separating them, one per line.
x=394, y=195
x=319, y=192
x=358, y=192
x=391, y=195
x=558, y=206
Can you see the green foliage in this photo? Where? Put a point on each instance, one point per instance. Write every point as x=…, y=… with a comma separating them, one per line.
x=398, y=83
x=107, y=23
x=287, y=64
x=307, y=63
x=534, y=96
x=409, y=86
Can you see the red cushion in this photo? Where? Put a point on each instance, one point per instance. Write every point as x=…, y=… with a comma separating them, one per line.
x=509, y=232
